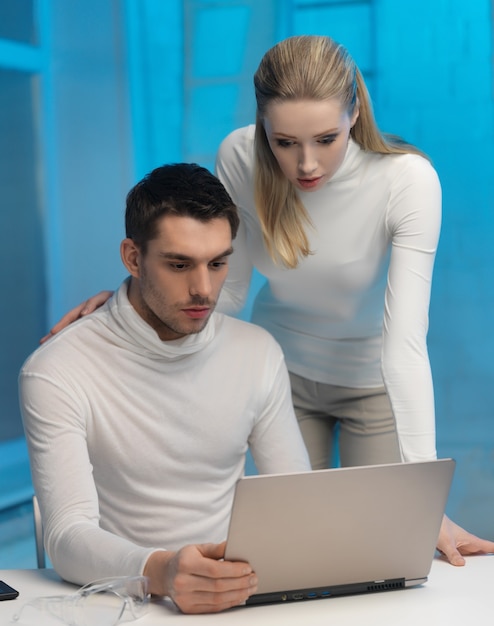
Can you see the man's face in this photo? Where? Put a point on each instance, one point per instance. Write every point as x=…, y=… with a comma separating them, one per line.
x=176, y=284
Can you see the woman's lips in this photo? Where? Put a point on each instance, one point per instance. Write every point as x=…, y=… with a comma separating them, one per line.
x=309, y=183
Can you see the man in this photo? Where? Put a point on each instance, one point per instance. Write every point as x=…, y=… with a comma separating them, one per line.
x=138, y=417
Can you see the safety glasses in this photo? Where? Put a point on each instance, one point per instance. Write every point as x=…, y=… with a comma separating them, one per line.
x=104, y=602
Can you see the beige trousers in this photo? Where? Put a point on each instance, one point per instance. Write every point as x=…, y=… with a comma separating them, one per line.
x=345, y=426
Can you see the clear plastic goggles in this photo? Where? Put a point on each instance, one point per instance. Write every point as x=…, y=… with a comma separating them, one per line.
x=104, y=602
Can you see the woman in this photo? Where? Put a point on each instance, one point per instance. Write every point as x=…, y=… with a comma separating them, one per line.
x=328, y=204
x=344, y=223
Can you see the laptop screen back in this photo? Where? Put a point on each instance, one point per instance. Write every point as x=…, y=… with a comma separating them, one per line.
x=339, y=527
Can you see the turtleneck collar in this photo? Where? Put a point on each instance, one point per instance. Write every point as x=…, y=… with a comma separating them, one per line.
x=131, y=328
x=351, y=162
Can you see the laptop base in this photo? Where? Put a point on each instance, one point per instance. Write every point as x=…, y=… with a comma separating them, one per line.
x=296, y=595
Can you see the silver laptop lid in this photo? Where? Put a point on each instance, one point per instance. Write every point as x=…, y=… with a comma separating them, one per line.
x=339, y=527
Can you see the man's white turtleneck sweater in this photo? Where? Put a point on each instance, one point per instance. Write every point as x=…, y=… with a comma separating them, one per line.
x=136, y=444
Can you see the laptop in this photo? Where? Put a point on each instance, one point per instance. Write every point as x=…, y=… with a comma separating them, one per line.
x=339, y=531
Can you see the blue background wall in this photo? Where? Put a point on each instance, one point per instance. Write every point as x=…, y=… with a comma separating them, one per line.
x=94, y=94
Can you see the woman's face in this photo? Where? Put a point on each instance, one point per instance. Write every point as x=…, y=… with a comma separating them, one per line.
x=308, y=139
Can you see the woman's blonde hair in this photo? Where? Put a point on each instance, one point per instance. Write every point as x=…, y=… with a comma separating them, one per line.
x=306, y=67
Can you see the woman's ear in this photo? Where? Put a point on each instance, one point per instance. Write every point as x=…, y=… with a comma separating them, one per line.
x=131, y=257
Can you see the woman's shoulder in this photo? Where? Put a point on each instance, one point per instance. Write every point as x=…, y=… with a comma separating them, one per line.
x=235, y=163
x=408, y=168
x=238, y=144
x=412, y=162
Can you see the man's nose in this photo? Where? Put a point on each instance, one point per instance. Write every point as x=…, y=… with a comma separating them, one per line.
x=200, y=284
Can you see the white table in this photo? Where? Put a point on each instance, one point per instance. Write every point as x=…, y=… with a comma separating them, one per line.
x=452, y=596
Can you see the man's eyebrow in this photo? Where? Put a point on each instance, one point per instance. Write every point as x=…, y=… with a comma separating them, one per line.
x=227, y=252
x=178, y=256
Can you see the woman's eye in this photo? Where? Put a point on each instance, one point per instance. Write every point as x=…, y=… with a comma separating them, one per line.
x=284, y=143
x=328, y=139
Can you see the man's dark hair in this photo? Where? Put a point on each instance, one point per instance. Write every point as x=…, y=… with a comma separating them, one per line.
x=180, y=189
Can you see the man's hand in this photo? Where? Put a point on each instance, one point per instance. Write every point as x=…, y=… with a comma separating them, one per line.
x=77, y=312
x=198, y=581
x=454, y=542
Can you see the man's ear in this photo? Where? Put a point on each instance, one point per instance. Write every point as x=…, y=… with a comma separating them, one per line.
x=131, y=257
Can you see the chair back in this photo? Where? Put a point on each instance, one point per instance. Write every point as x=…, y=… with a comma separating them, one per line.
x=38, y=535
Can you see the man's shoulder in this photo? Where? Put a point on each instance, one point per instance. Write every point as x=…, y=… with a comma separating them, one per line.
x=246, y=333
x=59, y=350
